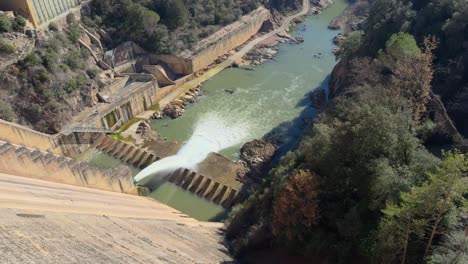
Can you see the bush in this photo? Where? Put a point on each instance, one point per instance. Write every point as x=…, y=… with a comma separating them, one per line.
x=5, y=112
x=7, y=48
x=42, y=77
x=71, y=18
x=92, y=73
x=53, y=26
x=71, y=86
x=75, y=61
x=32, y=60
x=19, y=23
x=5, y=24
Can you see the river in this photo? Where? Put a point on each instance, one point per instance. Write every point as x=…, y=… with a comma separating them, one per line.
x=272, y=97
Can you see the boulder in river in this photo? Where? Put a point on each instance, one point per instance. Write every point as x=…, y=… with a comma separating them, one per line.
x=173, y=110
x=256, y=156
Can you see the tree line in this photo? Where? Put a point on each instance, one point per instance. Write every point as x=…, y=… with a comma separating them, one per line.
x=362, y=187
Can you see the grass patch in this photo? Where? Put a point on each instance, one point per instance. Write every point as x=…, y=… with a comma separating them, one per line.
x=118, y=136
x=155, y=107
x=129, y=124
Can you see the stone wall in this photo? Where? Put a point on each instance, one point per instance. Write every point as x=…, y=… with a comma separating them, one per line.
x=33, y=163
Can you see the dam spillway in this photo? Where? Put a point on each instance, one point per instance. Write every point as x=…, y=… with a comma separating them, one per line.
x=272, y=97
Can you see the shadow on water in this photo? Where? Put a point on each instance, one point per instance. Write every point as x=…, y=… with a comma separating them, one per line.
x=290, y=133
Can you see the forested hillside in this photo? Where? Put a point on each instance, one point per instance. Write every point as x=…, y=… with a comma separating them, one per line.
x=361, y=187
x=165, y=26
x=447, y=20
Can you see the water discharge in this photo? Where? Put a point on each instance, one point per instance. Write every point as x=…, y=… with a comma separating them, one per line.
x=212, y=133
x=273, y=97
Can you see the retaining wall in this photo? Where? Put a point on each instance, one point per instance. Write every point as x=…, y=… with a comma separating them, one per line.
x=118, y=84
x=34, y=163
x=250, y=26
x=24, y=136
x=177, y=64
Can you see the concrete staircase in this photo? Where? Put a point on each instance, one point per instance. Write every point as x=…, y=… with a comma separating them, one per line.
x=47, y=222
x=128, y=153
x=205, y=187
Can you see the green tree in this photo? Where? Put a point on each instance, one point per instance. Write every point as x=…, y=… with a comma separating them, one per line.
x=351, y=44
x=418, y=217
x=400, y=46
x=176, y=14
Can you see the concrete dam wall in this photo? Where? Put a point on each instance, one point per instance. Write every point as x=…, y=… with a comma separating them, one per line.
x=34, y=163
x=50, y=223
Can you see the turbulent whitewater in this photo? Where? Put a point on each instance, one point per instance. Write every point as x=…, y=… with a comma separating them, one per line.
x=212, y=133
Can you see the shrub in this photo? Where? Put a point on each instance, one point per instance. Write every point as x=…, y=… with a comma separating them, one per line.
x=42, y=77
x=5, y=24
x=19, y=23
x=71, y=86
x=71, y=18
x=92, y=73
x=5, y=112
x=7, y=48
x=75, y=61
x=74, y=32
x=53, y=26
x=32, y=60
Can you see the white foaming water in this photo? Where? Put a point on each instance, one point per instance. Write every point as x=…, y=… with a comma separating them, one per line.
x=211, y=134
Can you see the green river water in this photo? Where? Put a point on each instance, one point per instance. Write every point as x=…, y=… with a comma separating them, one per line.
x=272, y=97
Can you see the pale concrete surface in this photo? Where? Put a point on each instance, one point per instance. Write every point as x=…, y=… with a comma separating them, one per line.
x=46, y=222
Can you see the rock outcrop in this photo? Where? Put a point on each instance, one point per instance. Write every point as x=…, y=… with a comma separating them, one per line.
x=144, y=129
x=255, y=158
x=177, y=107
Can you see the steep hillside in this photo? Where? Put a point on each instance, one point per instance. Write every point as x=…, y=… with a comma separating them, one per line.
x=49, y=79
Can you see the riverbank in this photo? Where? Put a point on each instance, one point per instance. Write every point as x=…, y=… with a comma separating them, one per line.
x=273, y=97
x=198, y=80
